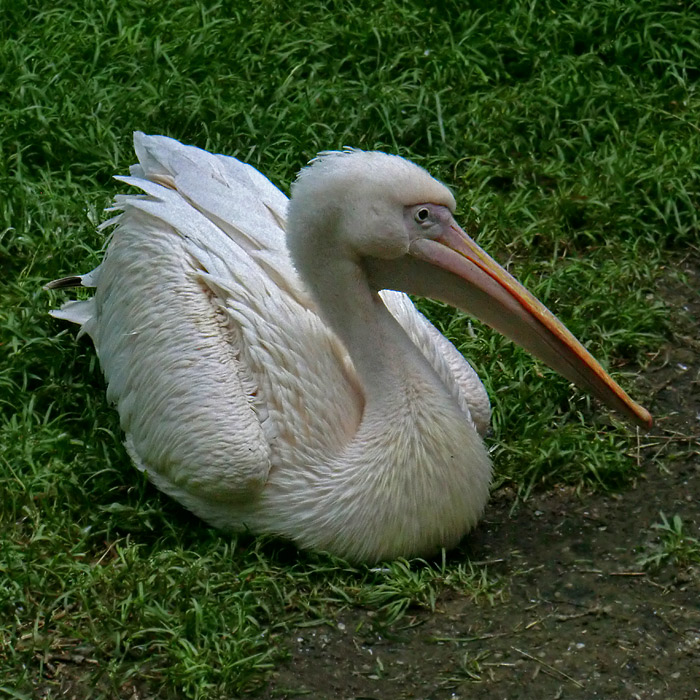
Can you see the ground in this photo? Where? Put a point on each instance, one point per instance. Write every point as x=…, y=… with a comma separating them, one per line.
x=580, y=616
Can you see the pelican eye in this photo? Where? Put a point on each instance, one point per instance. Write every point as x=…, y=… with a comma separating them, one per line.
x=422, y=215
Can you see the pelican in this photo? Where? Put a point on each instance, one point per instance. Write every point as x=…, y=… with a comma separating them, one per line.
x=268, y=369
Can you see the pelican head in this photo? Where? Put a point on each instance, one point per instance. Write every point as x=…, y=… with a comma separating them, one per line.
x=358, y=200
x=394, y=224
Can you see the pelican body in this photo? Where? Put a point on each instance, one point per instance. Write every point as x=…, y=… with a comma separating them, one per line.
x=268, y=369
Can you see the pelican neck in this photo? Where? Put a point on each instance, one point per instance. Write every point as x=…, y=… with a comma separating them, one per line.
x=383, y=354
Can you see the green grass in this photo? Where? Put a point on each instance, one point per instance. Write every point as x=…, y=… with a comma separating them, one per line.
x=569, y=134
x=673, y=545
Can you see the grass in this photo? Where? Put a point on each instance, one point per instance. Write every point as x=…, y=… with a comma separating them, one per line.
x=568, y=133
x=673, y=545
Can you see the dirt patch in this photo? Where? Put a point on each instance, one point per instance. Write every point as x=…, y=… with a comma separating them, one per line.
x=581, y=618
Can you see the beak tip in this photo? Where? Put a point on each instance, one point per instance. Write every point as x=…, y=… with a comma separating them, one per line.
x=647, y=422
x=641, y=417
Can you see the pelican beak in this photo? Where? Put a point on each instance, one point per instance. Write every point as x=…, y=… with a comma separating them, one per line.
x=497, y=298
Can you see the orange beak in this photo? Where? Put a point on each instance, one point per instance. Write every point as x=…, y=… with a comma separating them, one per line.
x=497, y=298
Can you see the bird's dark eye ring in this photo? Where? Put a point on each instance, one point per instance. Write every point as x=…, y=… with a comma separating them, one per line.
x=422, y=215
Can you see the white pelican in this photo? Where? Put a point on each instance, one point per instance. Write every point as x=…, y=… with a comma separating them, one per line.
x=270, y=386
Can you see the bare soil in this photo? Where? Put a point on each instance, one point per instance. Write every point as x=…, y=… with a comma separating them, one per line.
x=580, y=617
